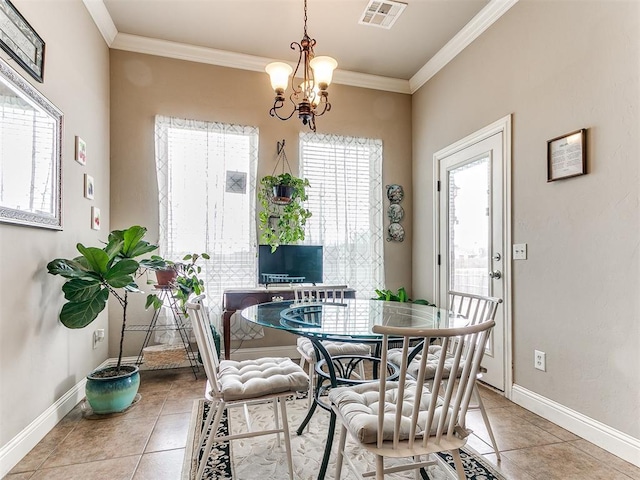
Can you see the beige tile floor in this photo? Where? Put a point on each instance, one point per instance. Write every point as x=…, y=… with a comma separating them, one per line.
x=148, y=442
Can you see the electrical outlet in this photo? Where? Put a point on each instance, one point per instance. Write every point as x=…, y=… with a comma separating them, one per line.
x=519, y=251
x=98, y=336
x=540, y=360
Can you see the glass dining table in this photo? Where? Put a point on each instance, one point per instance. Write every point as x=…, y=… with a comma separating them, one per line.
x=350, y=320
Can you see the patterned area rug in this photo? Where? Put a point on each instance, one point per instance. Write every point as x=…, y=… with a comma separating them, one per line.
x=260, y=458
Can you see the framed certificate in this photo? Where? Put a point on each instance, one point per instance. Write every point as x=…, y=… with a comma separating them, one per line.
x=567, y=155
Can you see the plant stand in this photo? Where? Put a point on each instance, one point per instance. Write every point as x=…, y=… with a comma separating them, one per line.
x=168, y=298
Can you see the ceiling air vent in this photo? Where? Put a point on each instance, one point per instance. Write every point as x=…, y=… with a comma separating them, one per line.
x=382, y=13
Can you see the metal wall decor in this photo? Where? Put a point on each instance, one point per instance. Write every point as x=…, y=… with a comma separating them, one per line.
x=395, y=212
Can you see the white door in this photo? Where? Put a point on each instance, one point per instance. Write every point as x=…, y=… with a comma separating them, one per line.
x=472, y=246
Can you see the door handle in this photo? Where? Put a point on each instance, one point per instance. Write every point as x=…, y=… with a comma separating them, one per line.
x=496, y=274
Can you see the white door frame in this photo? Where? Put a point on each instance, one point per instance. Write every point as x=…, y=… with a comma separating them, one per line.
x=502, y=126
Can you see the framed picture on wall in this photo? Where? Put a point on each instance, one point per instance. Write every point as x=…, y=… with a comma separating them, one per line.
x=89, y=186
x=81, y=151
x=567, y=155
x=21, y=41
x=95, y=218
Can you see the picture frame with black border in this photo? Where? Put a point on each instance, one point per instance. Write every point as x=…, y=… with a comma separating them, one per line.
x=567, y=155
x=20, y=41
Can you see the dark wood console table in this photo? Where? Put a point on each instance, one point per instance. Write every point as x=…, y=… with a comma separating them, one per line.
x=238, y=299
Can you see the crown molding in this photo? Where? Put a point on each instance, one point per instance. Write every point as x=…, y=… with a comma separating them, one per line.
x=102, y=19
x=472, y=30
x=375, y=82
x=192, y=53
x=222, y=58
x=133, y=43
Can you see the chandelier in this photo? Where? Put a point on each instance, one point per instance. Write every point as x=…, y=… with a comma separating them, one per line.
x=309, y=98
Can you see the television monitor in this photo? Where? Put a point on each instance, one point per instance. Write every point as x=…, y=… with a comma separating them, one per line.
x=290, y=264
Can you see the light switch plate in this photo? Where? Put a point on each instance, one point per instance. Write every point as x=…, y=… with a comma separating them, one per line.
x=519, y=251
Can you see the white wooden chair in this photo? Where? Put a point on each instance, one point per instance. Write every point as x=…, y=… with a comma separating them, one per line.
x=406, y=419
x=232, y=383
x=476, y=309
x=304, y=346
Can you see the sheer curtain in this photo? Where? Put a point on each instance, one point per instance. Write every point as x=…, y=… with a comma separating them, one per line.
x=345, y=199
x=206, y=186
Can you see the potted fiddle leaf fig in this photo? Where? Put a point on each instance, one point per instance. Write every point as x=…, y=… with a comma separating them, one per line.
x=283, y=215
x=91, y=278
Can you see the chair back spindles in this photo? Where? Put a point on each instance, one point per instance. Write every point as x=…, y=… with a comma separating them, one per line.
x=447, y=402
x=323, y=293
x=205, y=341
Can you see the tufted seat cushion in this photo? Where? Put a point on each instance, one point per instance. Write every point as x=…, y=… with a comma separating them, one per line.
x=264, y=376
x=358, y=407
x=305, y=347
x=433, y=356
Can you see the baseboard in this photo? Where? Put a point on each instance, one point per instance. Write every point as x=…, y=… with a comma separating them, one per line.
x=618, y=443
x=260, y=352
x=21, y=444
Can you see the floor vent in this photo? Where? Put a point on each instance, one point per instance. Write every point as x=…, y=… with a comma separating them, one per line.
x=382, y=13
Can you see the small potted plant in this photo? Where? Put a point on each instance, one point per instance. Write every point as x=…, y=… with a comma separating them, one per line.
x=91, y=279
x=165, y=276
x=185, y=280
x=282, y=221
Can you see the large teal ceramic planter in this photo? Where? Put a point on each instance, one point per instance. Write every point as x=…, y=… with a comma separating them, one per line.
x=112, y=394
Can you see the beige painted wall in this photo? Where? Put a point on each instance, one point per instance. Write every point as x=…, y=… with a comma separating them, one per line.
x=556, y=67
x=144, y=85
x=39, y=358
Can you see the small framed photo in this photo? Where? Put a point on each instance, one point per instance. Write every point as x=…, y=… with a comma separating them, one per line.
x=95, y=218
x=567, y=155
x=81, y=151
x=89, y=186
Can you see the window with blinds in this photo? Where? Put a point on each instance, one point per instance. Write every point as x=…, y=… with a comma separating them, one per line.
x=206, y=186
x=345, y=199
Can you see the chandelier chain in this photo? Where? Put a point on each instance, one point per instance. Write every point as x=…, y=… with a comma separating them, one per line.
x=305, y=18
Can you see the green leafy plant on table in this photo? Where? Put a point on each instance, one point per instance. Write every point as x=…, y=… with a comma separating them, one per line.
x=283, y=215
x=401, y=296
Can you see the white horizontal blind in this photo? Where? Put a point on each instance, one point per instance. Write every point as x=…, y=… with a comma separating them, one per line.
x=200, y=209
x=27, y=169
x=345, y=199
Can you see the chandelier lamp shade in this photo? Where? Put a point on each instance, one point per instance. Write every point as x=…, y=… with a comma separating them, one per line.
x=309, y=98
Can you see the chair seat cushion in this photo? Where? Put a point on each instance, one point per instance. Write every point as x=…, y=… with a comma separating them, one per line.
x=305, y=347
x=433, y=357
x=358, y=407
x=256, y=378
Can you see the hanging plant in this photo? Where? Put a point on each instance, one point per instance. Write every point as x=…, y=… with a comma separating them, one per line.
x=282, y=223
x=282, y=216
